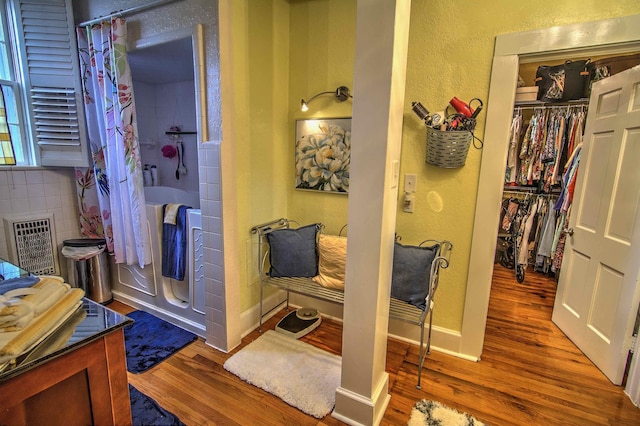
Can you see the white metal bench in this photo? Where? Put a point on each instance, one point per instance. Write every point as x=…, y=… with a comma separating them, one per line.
x=398, y=309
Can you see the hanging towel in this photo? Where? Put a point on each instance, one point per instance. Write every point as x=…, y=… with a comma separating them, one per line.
x=174, y=244
x=170, y=212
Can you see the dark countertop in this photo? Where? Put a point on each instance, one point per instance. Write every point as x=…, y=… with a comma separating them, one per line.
x=88, y=323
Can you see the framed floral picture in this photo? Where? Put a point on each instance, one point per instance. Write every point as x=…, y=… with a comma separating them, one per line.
x=323, y=154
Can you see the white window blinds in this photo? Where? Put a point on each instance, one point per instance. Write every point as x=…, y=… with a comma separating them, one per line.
x=48, y=50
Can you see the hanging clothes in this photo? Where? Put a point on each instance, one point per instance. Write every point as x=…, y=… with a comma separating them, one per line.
x=566, y=195
x=523, y=255
x=562, y=230
x=563, y=205
x=509, y=214
x=530, y=147
x=543, y=255
x=514, y=141
x=537, y=153
x=544, y=153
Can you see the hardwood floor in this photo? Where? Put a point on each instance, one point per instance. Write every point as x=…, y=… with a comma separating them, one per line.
x=529, y=374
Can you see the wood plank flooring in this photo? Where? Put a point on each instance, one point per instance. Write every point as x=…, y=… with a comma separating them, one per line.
x=529, y=374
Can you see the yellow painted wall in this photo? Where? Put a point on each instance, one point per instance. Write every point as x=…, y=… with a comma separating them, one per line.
x=321, y=57
x=450, y=54
x=260, y=90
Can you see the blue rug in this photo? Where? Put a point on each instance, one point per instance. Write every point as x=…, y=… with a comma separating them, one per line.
x=150, y=340
x=145, y=411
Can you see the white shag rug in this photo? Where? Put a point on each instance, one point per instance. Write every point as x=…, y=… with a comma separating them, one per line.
x=298, y=373
x=432, y=413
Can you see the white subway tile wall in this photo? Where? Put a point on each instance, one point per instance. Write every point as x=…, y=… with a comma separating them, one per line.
x=26, y=192
x=29, y=192
x=159, y=107
x=210, y=205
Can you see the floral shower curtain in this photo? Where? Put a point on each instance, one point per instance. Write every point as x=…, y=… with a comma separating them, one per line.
x=111, y=193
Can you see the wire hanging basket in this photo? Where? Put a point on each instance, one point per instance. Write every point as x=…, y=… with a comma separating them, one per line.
x=447, y=149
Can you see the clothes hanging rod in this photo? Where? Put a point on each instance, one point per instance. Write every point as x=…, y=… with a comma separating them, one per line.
x=531, y=194
x=565, y=106
x=520, y=188
x=123, y=12
x=520, y=193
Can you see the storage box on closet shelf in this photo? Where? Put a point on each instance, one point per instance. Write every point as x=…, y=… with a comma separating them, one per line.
x=449, y=136
x=527, y=94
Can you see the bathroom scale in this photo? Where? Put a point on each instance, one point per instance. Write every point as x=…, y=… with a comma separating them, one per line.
x=299, y=323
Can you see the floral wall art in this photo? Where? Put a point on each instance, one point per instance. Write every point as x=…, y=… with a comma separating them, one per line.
x=323, y=154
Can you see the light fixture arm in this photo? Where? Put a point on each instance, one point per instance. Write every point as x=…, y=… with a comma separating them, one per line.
x=342, y=93
x=319, y=94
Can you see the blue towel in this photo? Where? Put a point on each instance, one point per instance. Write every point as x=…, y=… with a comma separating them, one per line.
x=174, y=245
x=21, y=282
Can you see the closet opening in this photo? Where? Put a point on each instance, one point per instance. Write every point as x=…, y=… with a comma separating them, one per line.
x=616, y=36
x=541, y=168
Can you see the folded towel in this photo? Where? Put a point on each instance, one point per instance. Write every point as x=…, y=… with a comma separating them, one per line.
x=21, y=282
x=41, y=326
x=18, y=307
x=170, y=213
x=174, y=244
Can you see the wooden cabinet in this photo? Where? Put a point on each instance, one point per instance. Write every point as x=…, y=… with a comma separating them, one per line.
x=87, y=385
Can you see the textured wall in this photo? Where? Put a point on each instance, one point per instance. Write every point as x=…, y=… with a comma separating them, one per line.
x=29, y=191
x=310, y=44
x=171, y=17
x=180, y=15
x=322, y=58
x=450, y=54
x=258, y=83
x=158, y=107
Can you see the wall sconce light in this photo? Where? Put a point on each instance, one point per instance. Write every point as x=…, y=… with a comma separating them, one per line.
x=341, y=93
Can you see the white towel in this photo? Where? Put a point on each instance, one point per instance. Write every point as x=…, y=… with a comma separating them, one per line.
x=170, y=213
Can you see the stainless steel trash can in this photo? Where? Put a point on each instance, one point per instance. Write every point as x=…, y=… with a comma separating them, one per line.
x=88, y=267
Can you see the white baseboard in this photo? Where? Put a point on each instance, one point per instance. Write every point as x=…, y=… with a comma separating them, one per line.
x=442, y=339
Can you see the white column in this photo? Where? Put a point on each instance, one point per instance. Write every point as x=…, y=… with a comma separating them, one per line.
x=382, y=31
x=222, y=277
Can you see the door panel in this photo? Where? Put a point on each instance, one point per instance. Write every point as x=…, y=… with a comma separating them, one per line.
x=597, y=296
x=575, y=289
x=606, y=293
x=594, y=183
x=620, y=226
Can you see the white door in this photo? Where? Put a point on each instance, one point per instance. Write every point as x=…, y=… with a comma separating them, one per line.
x=597, y=301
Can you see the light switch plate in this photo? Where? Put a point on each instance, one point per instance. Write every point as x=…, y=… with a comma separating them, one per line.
x=410, y=183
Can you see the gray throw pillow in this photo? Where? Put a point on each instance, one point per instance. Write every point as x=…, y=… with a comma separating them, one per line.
x=293, y=252
x=411, y=271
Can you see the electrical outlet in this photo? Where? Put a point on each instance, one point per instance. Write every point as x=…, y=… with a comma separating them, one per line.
x=408, y=202
x=410, y=183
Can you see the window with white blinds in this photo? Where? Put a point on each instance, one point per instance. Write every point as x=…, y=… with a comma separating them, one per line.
x=12, y=145
x=47, y=62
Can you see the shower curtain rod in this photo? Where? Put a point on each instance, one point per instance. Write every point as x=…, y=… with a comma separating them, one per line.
x=123, y=12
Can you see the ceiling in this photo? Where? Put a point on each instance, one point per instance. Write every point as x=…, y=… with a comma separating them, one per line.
x=168, y=62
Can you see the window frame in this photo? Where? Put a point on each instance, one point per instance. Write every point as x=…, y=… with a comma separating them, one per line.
x=22, y=143
x=47, y=69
